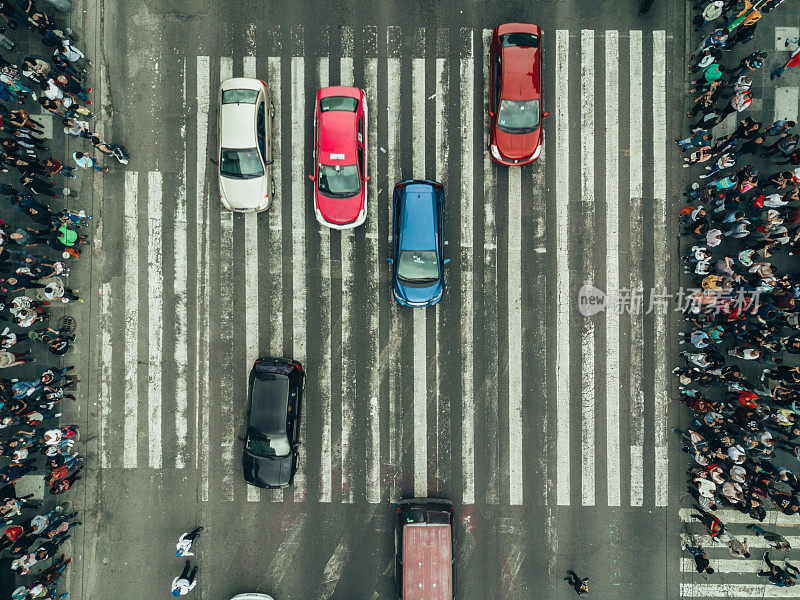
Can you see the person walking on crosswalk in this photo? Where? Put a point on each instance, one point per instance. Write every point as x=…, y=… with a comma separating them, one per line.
x=779, y=542
x=184, y=545
x=185, y=582
x=701, y=562
x=777, y=576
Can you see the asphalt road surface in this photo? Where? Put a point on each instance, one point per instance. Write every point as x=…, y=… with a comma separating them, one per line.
x=546, y=428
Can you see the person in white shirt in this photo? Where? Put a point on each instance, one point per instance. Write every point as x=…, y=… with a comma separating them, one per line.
x=184, y=545
x=185, y=582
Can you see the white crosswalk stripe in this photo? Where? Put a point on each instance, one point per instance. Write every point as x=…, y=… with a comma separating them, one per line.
x=381, y=412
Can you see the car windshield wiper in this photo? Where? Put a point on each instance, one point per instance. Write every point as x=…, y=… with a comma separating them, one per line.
x=234, y=175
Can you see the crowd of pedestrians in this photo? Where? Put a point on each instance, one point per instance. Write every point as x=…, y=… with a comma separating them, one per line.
x=744, y=314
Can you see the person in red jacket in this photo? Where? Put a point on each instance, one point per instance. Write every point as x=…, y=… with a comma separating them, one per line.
x=794, y=61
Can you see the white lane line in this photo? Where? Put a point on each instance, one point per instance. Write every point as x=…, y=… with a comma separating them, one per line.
x=325, y=474
x=420, y=338
x=373, y=280
x=202, y=438
x=392, y=350
x=333, y=570
x=563, y=444
x=588, y=216
x=251, y=323
x=736, y=590
x=251, y=286
x=180, y=277
x=298, y=238
x=636, y=421
x=275, y=256
x=726, y=565
x=659, y=252
x=727, y=516
x=286, y=552
x=106, y=371
x=226, y=295
x=612, y=267
x=155, y=320
x=131, y=269
x=514, y=336
x=348, y=350
x=755, y=543
x=466, y=201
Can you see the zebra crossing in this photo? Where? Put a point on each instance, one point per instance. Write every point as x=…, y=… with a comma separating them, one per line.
x=488, y=397
x=737, y=577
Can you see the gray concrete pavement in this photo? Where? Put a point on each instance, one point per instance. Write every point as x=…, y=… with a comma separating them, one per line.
x=553, y=470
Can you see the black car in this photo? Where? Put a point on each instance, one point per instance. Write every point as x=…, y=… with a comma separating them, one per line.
x=275, y=395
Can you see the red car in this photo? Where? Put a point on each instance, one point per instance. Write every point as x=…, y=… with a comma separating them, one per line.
x=340, y=157
x=516, y=94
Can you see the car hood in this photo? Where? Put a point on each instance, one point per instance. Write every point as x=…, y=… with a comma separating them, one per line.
x=243, y=194
x=267, y=472
x=518, y=146
x=418, y=295
x=340, y=210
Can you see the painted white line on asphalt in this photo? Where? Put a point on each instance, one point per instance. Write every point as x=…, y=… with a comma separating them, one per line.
x=225, y=292
x=755, y=543
x=490, y=390
x=155, y=320
x=131, y=271
x=373, y=279
x=514, y=336
x=774, y=518
x=333, y=571
x=275, y=256
x=285, y=553
x=249, y=66
x=612, y=267
x=563, y=444
x=251, y=324
x=298, y=237
x=588, y=217
x=661, y=265
x=420, y=338
x=106, y=371
x=348, y=348
x=180, y=277
x=202, y=437
x=636, y=420
x=466, y=200
x=726, y=565
x=326, y=457
x=736, y=590
x=392, y=350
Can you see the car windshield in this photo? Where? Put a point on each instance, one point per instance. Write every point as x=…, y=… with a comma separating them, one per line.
x=526, y=40
x=518, y=116
x=418, y=266
x=268, y=446
x=240, y=164
x=239, y=96
x=338, y=103
x=339, y=181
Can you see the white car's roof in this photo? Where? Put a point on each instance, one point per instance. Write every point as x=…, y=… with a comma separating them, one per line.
x=252, y=597
x=237, y=126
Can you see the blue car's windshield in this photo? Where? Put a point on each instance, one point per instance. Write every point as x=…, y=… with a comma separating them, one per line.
x=418, y=266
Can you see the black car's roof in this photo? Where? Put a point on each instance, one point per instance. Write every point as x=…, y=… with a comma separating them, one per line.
x=269, y=404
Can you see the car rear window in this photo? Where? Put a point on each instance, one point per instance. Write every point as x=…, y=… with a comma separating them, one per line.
x=338, y=103
x=239, y=96
x=527, y=40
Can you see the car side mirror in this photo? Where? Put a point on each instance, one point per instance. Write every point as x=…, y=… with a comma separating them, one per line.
x=446, y=261
x=490, y=113
x=296, y=445
x=546, y=114
x=270, y=161
x=390, y=260
x=214, y=161
x=311, y=177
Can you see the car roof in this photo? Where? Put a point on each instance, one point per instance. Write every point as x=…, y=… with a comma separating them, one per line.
x=418, y=229
x=337, y=135
x=237, y=127
x=520, y=73
x=269, y=404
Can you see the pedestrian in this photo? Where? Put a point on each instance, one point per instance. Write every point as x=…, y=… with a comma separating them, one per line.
x=710, y=13
x=776, y=575
x=780, y=127
x=739, y=102
x=185, y=582
x=701, y=562
x=791, y=159
x=86, y=162
x=581, y=586
x=779, y=542
x=184, y=545
x=785, y=145
x=794, y=61
x=749, y=63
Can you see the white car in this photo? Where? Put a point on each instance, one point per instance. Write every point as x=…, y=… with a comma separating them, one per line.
x=244, y=138
x=252, y=597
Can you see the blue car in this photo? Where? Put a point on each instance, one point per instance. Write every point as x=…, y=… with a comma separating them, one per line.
x=418, y=245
